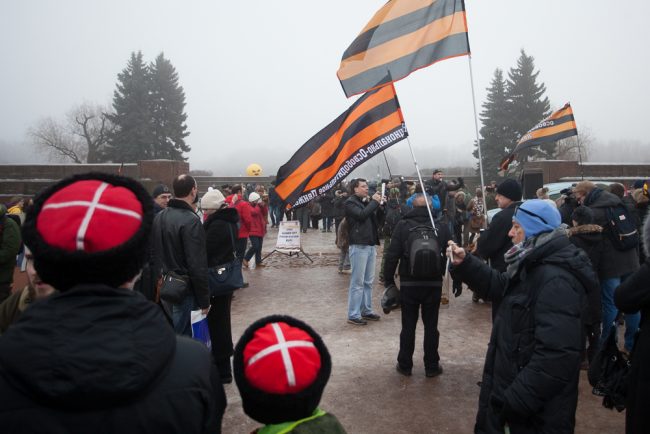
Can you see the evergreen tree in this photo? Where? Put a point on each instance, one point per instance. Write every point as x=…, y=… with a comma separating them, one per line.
x=496, y=134
x=167, y=104
x=527, y=105
x=132, y=137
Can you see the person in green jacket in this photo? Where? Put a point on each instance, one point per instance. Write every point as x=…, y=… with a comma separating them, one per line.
x=281, y=367
x=9, y=246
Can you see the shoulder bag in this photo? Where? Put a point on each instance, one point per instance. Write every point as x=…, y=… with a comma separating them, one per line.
x=174, y=287
x=225, y=278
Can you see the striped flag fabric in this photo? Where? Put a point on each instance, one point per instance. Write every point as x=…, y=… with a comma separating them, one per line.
x=372, y=124
x=403, y=36
x=559, y=125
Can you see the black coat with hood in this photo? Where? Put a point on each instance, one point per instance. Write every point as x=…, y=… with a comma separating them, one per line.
x=104, y=360
x=634, y=295
x=590, y=239
x=220, y=234
x=616, y=263
x=494, y=242
x=532, y=366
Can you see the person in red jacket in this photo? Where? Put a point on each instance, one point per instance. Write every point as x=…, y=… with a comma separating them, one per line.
x=259, y=219
x=235, y=200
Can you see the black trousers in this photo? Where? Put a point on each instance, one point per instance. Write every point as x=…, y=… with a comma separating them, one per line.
x=414, y=299
x=221, y=333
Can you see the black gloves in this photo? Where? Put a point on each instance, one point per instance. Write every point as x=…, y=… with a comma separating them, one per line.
x=505, y=412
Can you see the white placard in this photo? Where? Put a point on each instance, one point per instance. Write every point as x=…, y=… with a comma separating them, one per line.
x=288, y=235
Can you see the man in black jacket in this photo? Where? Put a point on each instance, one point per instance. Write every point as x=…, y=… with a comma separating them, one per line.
x=363, y=229
x=179, y=246
x=532, y=366
x=494, y=242
x=436, y=185
x=97, y=356
x=416, y=292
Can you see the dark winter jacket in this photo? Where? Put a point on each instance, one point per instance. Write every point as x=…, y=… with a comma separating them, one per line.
x=338, y=202
x=433, y=187
x=362, y=221
x=494, y=242
x=9, y=246
x=104, y=360
x=327, y=207
x=617, y=263
x=532, y=366
x=398, y=249
x=590, y=239
x=630, y=297
x=179, y=245
x=220, y=236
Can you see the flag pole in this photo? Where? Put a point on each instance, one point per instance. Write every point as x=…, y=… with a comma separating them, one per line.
x=478, y=139
x=390, y=175
x=417, y=169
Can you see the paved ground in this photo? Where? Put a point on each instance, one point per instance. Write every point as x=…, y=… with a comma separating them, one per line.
x=364, y=391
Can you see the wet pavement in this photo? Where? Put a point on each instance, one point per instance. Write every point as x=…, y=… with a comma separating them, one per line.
x=364, y=391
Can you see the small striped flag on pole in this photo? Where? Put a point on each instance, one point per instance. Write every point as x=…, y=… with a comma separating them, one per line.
x=559, y=125
x=403, y=36
x=372, y=124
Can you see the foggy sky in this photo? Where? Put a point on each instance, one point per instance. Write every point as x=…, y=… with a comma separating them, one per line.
x=260, y=77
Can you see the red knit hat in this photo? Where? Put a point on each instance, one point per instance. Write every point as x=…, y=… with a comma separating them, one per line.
x=90, y=228
x=281, y=367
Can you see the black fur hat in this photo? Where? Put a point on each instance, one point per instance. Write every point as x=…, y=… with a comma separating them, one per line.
x=91, y=228
x=582, y=215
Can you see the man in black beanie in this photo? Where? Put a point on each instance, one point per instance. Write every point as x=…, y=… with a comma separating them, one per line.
x=494, y=242
x=97, y=356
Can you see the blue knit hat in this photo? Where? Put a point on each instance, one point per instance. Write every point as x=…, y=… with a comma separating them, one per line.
x=537, y=216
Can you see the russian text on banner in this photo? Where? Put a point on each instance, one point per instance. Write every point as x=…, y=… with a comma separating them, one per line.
x=372, y=124
x=403, y=36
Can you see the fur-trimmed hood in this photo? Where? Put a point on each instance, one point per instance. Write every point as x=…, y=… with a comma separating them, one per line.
x=585, y=229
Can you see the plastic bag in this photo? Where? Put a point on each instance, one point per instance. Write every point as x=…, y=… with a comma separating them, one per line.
x=200, y=330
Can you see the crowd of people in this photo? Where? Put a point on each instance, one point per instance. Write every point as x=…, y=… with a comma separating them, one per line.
x=80, y=347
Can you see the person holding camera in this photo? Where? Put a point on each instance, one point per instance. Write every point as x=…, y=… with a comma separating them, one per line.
x=436, y=185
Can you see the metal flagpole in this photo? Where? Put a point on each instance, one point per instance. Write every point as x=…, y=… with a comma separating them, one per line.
x=478, y=139
x=390, y=175
x=417, y=169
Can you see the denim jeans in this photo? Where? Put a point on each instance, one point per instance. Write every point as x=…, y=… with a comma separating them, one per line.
x=181, y=315
x=273, y=213
x=362, y=260
x=607, y=287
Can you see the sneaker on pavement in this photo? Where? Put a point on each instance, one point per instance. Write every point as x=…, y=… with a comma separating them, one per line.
x=357, y=321
x=405, y=372
x=347, y=271
x=433, y=372
x=371, y=317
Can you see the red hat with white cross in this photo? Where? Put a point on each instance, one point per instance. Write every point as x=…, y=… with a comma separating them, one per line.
x=281, y=366
x=90, y=228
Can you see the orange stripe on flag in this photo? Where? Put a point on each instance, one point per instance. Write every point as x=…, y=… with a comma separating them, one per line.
x=402, y=46
x=396, y=9
x=310, y=165
x=549, y=131
x=355, y=143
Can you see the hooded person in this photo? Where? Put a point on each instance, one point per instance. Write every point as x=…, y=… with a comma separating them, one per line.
x=281, y=368
x=531, y=373
x=98, y=356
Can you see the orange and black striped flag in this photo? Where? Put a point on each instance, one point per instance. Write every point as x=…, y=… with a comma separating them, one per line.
x=403, y=36
x=559, y=125
x=372, y=124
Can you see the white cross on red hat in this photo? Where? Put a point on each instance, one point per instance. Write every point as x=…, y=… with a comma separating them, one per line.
x=90, y=216
x=281, y=359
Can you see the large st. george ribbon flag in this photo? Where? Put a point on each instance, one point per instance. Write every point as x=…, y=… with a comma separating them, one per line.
x=403, y=36
x=372, y=124
x=559, y=125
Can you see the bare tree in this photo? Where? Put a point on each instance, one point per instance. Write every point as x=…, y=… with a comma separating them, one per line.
x=81, y=138
x=576, y=147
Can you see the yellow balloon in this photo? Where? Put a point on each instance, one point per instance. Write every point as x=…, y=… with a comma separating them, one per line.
x=254, y=170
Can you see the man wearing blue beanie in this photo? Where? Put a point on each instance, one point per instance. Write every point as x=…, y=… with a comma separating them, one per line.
x=532, y=366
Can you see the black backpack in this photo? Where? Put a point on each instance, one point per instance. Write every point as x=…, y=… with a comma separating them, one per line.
x=423, y=250
x=622, y=228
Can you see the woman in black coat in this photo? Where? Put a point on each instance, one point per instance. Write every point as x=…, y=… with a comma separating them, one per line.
x=634, y=295
x=532, y=366
x=220, y=235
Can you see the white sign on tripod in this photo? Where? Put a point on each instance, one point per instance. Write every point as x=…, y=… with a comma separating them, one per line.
x=288, y=236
